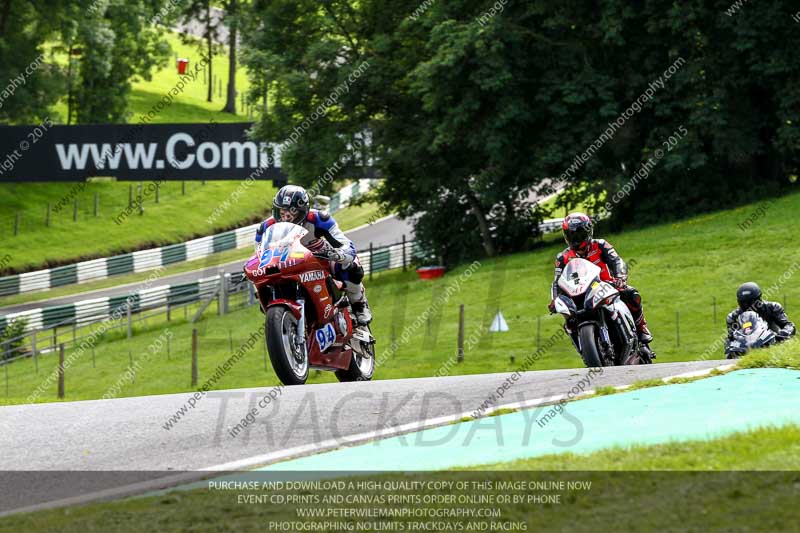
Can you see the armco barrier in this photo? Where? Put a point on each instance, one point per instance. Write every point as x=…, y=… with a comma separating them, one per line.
x=97, y=309
x=141, y=261
x=45, y=323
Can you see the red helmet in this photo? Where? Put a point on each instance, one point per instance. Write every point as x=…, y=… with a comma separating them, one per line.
x=578, y=230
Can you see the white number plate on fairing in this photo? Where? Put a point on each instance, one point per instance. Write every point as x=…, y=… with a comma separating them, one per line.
x=325, y=337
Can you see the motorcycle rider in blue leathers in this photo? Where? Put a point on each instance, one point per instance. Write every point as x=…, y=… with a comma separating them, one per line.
x=324, y=237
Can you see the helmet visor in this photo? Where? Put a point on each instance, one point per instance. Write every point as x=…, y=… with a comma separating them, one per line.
x=576, y=237
x=287, y=214
x=745, y=302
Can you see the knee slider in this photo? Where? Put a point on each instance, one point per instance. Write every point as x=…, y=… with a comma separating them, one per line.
x=636, y=298
x=356, y=273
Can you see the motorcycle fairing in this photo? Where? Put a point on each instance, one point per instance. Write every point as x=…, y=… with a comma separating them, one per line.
x=577, y=277
x=600, y=293
x=751, y=332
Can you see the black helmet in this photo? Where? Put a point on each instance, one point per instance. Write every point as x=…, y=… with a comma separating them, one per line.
x=747, y=294
x=578, y=230
x=294, y=199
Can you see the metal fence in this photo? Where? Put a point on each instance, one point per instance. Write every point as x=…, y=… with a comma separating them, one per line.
x=136, y=262
x=74, y=323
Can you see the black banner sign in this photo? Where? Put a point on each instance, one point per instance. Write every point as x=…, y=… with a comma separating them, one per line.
x=136, y=152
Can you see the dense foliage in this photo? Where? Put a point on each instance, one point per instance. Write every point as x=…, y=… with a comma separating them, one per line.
x=11, y=348
x=106, y=45
x=470, y=105
x=472, y=109
x=116, y=43
x=28, y=86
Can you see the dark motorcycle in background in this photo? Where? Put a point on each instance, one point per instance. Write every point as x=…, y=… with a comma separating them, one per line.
x=309, y=320
x=750, y=332
x=598, y=321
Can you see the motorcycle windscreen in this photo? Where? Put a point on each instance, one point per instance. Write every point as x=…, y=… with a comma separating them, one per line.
x=283, y=233
x=278, y=241
x=753, y=330
x=577, y=276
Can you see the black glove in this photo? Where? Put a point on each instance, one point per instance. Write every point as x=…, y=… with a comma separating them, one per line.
x=552, y=306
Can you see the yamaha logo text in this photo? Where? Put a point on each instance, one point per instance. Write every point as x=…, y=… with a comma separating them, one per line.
x=314, y=275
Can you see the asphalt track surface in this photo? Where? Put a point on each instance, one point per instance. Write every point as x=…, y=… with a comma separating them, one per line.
x=70, y=452
x=388, y=230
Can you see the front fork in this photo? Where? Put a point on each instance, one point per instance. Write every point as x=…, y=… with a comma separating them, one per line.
x=573, y=336
x=300, y=338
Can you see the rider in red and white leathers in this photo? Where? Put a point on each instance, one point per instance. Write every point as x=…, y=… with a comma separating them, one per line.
x=578, y=230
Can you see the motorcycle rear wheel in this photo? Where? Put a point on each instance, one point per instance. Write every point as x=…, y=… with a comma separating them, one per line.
x=589, y=351
x=361, y=367
x=288, y=359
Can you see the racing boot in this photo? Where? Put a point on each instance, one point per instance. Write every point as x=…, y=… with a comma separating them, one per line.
x=363, y=314
x=358, y=301
x=645, y=337
x=642, y=331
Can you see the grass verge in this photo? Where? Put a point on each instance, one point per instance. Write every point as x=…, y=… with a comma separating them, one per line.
x=767, y=448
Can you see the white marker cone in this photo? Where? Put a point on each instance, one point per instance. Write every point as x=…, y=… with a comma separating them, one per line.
x=499, y=323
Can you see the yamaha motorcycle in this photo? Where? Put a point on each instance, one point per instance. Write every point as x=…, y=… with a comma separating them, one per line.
x=309, y=320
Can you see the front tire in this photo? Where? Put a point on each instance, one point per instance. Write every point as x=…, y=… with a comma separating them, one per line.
x=589, y=352
x=288, y=359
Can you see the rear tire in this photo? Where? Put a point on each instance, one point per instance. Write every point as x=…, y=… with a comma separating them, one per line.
x=589, y=352
x=288, y=361
x=361, y=368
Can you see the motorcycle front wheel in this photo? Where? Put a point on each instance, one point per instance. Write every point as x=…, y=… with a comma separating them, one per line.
x=289, y=360
x=589, y=350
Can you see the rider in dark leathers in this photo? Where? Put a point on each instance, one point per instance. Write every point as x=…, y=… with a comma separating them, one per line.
x=749, y=298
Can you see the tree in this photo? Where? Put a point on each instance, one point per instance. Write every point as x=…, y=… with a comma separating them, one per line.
x=31, y=83
x=232, y=22
x=303, y=62
x=434, y=132
x=108, y=43
x=471, y=107
x=116, y=44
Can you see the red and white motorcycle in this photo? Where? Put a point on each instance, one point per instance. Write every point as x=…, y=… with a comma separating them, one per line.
x=597, y=318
